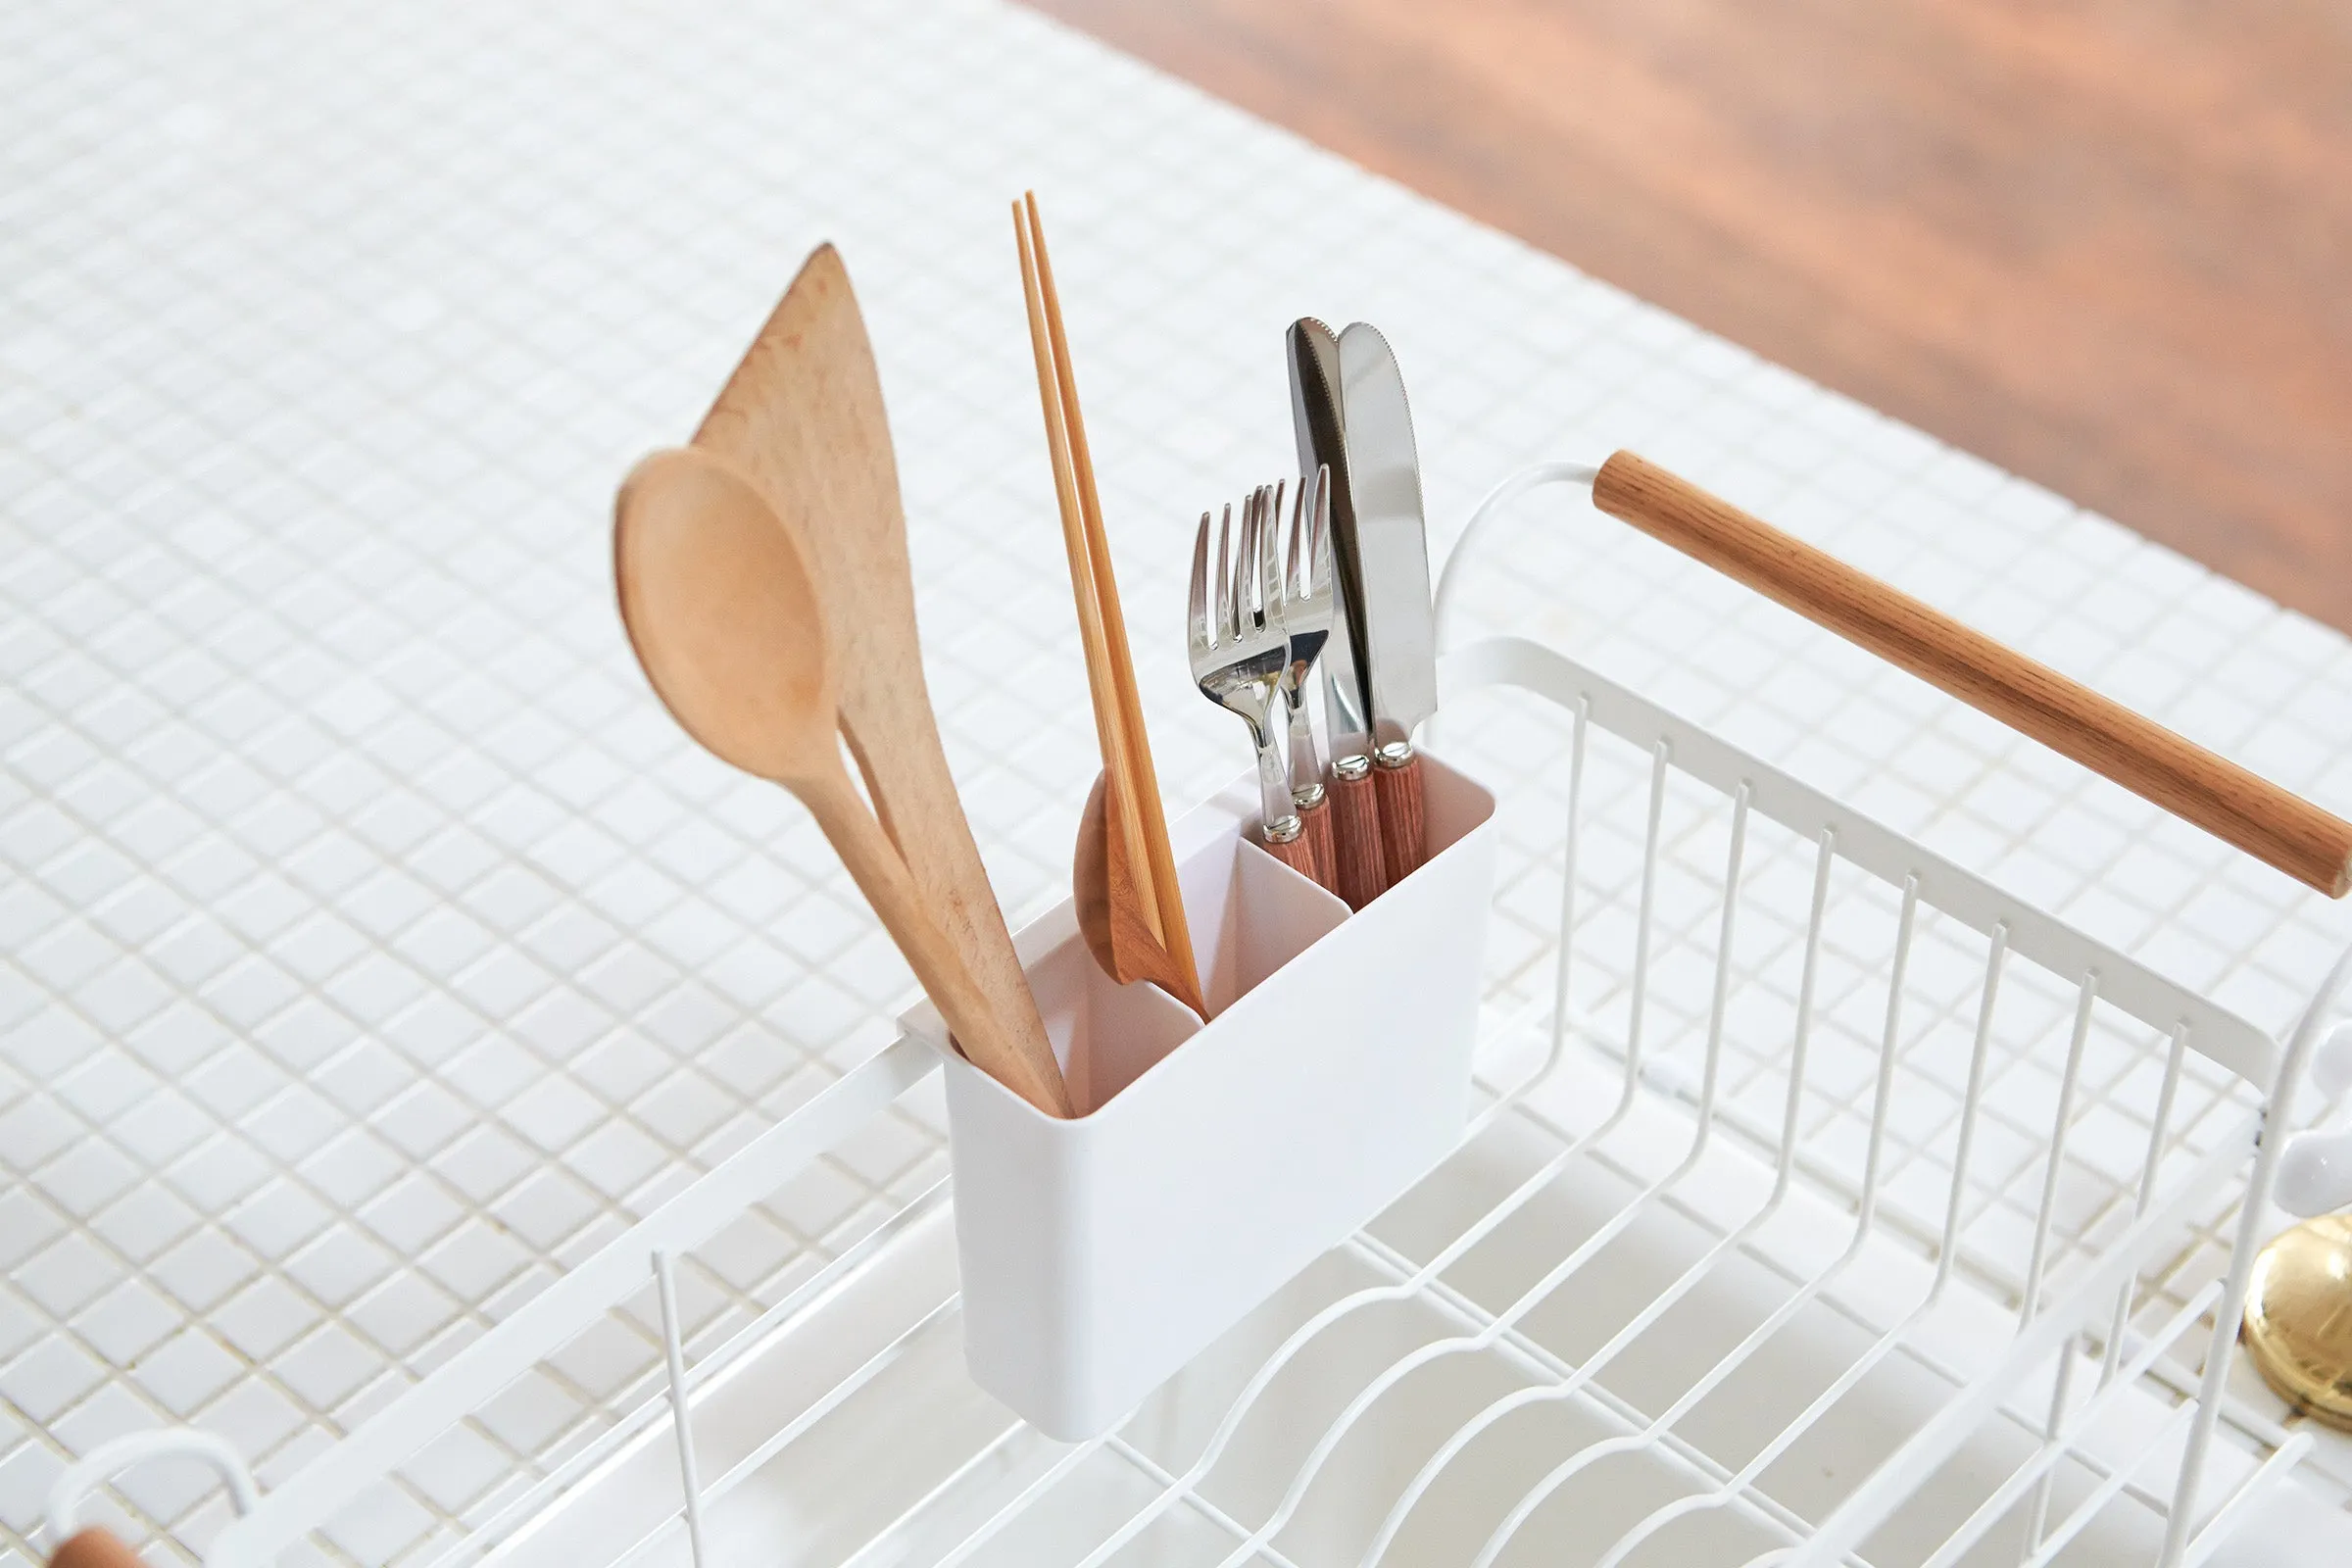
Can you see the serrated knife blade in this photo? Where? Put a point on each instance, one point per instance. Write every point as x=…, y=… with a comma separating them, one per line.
x=1398, y=648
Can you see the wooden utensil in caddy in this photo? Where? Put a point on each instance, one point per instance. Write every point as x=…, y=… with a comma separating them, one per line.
x=731, y=623
x=802, y=422
x=1130, y=904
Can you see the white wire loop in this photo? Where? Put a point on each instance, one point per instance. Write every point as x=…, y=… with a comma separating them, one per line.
x=107, y=1461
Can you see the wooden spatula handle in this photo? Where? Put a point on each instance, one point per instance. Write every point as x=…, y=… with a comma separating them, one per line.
x=1403, y=824
x=94, y=1548
x=1361, y=875
x=874, y=865
x=2212, y=792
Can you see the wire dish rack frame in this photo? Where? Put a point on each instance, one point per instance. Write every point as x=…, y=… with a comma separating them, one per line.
x=1774, y=1237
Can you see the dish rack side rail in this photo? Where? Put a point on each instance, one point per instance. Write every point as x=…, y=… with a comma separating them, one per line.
x=2072, y=1307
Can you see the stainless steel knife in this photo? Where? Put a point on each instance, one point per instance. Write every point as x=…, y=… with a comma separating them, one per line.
x=1318, y=420
x=1395, y=630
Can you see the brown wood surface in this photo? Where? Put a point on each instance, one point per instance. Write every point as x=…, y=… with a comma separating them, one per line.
x=802, y=418
x=2266, y=822
x=2102, y=244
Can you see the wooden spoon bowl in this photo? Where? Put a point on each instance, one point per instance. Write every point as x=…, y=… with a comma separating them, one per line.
x=1110, y=911
x=726, y=617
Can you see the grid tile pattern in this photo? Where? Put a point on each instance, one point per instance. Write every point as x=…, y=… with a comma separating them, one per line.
x=370, y=946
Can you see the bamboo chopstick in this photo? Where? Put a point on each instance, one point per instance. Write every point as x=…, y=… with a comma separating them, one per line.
x=1102, y=625
x=1109, y=733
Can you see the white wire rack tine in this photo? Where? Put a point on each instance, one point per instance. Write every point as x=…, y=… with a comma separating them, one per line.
x=1972, y=1099
x=1721, y=999
x=2159, y=1134
x=681, y=1413
x=1888, y=1051
x=1802, y=1039
x=2086, y=995
x=1637, y=1003
x=1559, y=981
x=2062, y=1382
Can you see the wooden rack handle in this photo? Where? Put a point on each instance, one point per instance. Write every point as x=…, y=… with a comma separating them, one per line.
x=2271, y=823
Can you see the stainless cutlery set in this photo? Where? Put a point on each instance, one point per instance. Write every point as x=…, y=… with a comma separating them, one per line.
x=1342, y=582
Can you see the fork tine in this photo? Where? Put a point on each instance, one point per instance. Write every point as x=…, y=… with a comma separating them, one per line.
x=1226, y=627
x=1197, y=610
x=1296, y=580
x=1247, y=568
x=1274, y=546
x=1269, y=565
x=1244, y=603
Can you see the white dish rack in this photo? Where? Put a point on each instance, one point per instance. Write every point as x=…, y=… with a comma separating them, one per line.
x=1774, y=1237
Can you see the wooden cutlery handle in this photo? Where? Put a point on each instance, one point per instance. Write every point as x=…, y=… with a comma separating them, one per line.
x=2215, y=794
x=1403, y=825
x=1359, y=873
x=1295, y=851
x=1314, y=822
x=94, y=1548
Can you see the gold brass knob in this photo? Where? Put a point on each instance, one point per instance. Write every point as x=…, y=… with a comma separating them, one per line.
x=2298, y=1325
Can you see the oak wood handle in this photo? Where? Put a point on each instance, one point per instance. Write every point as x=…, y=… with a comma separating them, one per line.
x=1358, y=870
x=94, y=1548
x=1294, y=852
x=1403, y=823
x=2267, y=822
x=1314, y=823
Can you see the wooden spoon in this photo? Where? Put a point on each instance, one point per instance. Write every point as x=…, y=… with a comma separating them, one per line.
x=802, y=418
x=1110, y=913
x=727, y=620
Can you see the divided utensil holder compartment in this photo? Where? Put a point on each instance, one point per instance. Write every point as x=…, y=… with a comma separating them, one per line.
x=1210, y=1163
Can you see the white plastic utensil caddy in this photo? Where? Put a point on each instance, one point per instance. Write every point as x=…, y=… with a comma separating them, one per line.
x=1817, y=1202
x=1209, y=1164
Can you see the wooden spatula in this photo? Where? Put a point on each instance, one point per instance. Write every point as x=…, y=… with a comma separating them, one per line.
x=802, y=418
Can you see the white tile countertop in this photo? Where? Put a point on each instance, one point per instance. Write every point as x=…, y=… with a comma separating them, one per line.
x=372, y=946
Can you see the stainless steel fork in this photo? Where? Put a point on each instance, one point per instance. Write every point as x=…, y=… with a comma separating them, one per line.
x=1239, y=647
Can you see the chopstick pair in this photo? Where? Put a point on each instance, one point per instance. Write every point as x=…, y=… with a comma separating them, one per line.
x=1129, y=902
